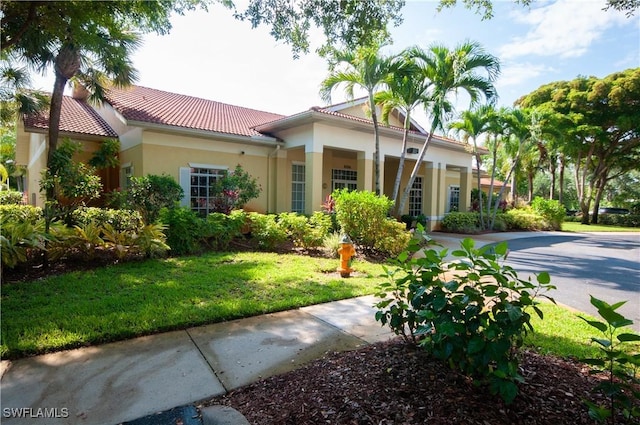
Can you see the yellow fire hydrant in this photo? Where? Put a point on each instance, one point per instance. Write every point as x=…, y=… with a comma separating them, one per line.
x=346, y=251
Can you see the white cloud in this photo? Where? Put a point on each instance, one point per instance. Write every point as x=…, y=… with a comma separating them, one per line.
x=516, y=74
x=565, y=28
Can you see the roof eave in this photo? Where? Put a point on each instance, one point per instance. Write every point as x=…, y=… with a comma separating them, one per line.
x=71, y=134
x=253, y=139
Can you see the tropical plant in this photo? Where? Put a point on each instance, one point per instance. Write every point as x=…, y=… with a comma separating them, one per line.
x=407, y=86
x=233, y=191
x=473, y=124
x=17, y=238
x=149, y=194
x=119, y=241
x=449, y=72
x=472, y=314
x=366, y=68
x=151, y=241
x=620, y=366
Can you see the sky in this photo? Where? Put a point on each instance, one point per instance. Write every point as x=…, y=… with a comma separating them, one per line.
x=214, y=56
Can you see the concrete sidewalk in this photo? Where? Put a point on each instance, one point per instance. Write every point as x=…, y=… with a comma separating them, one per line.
x=122, y=381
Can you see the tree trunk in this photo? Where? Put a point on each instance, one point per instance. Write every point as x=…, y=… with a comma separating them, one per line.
x=67, y=64
x=414, y=172
x=552, y=172
x=374, y=117
x=530, y=186
x=561, y=180
x=403, y=155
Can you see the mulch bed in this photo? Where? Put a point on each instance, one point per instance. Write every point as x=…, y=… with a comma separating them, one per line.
x=394, y=383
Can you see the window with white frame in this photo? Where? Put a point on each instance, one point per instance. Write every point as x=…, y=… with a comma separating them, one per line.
x=298, y=172
x=196, y=182
x=454, y=198
x=415, y=198
x=344, y=178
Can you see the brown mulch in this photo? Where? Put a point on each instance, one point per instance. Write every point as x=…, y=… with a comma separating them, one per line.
x=394, y=383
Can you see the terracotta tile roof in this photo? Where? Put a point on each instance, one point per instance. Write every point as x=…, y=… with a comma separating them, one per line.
x=148, y=105
x=486, y=181
x=76, y=117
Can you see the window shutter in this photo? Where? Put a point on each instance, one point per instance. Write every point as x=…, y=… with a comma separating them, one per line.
x=185, y=183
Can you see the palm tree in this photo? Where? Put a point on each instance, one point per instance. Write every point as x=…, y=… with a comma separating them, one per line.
x=450, y=71
x=407, y=86
x=472, y=124
x=364, y=68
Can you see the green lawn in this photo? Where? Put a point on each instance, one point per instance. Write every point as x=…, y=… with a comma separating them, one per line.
x=578, y=227
x=140, y=298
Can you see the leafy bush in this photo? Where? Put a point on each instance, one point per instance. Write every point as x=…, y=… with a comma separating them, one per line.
x=393, y=239
x=525, y=219
x=233, y=191
x=618, y=364
x=362, y=215
x=19, y=213
x=306, y=232
x=119, y=241
x=17, y=238
x=461, y=222
x=220, y=229
x=471, y=314
x=624, y=220
x=11, y=197
x=151, y=241
x=266, y=231
x=129, y=220
x=149, y=194
x=183, y=230
x=86, y=238
x=551, y=210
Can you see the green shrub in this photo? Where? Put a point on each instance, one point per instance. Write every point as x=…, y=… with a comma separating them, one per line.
x=220, y=229
x=11, y=197
x=183, y=230
x=331, y=243
x=305, y=232
x=149, y=194
x=120, y=219
x=551, y=210
x=393, y=239
x=119, y=241
x=471, y=314
x=618, y=364
x=266, y=231
x=151, y=241
x=526, y=219
x=19, y=213
x=18, y=238
x=233, y=191
x=461, y=222
x=361, y=215
x=623, y=220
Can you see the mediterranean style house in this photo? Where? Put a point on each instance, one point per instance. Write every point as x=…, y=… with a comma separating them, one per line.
x=298, y=159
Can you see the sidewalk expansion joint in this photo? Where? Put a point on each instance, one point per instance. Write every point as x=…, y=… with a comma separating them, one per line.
x=226, y=390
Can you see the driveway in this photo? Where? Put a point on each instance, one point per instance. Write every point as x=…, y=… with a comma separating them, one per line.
x=605, y=265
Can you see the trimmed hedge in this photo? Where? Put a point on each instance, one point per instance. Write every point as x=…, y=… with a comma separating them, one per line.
x=461, y=222
x=624, y=220
x=13, y=213
x=121, y=220
x=11, y=197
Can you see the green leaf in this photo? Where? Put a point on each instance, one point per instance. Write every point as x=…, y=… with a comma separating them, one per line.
x=501, y=248
x=475, y=345
x=543, y=278
x=515, y=313
x=603, y=342
x=627, y=337
x=602, y=327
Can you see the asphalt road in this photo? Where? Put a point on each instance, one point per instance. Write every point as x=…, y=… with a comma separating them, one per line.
x=605, y=265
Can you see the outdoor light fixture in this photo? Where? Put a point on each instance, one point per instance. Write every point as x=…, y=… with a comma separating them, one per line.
x=412, y=150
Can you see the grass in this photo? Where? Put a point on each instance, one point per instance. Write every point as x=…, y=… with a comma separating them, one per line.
x=140, y=298
x=569, y=226
x=563, y=333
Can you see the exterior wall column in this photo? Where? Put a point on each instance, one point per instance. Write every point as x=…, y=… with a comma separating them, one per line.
x=365, y=171
x=281, y=183
x=435, y=193
x=465, y=189
x=313, y=178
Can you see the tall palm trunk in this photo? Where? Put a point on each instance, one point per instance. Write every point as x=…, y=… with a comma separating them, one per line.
x=414, y=172
x=67, y=64
x=374, y=118
x=403, y=156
